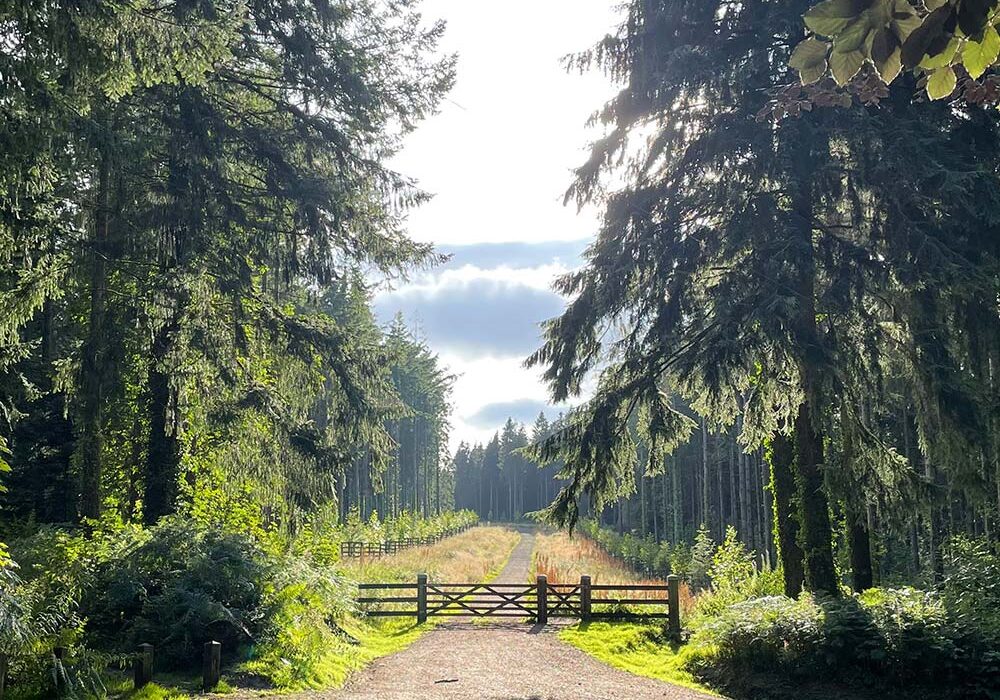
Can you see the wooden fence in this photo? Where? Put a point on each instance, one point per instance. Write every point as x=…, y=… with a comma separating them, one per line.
x=539, y=601
x=354, y=549
x=142, y=667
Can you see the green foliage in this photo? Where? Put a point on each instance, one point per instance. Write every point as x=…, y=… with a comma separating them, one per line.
x=180, y=587
x=404, y=525
x=283, y=602
x=733, y=577
x=732, y=564
x=970, y=587
x=933, y=37
x=887, y=638
x=304, y=600
x=702, y=557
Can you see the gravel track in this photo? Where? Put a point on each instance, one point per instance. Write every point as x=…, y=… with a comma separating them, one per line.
x=501, y=660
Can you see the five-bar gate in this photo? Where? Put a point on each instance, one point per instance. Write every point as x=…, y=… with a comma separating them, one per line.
x=538, y=601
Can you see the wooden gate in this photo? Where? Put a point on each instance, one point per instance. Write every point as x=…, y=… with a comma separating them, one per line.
x=537, y=601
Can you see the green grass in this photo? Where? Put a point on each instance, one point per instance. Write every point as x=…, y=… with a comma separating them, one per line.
x=168, y=686
x=637, y=648
x=375, y=639
x=155, y=691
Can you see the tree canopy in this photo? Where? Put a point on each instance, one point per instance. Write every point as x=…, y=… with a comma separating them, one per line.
x=775, y=274
x=194, y=194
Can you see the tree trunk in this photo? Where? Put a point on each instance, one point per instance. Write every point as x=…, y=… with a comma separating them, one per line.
x=705, y=514
x=163, y=455
x=815, y=534
x=94, y=350
x=814, y=518
x=859, y=541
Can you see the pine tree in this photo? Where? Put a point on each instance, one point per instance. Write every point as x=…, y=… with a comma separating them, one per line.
x=745, y=263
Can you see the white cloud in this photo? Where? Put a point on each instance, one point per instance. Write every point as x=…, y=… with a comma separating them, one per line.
x=498, y=159
x=486, y=381
x=430, y=284
x=500, y=154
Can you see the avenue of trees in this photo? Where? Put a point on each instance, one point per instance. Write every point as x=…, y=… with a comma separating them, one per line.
x=821, y=288
x=193, y=197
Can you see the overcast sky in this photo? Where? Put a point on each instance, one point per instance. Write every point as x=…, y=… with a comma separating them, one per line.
x=498, y=159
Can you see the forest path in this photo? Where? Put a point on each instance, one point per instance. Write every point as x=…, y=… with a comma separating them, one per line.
x=498, y=660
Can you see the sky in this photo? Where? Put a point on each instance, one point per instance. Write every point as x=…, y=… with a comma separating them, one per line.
x=498, y=159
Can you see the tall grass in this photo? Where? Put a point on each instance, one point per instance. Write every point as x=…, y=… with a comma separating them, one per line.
x=473, y=555
x=563, y=559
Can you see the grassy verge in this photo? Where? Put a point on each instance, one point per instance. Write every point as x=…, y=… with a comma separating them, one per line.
x=637, y=648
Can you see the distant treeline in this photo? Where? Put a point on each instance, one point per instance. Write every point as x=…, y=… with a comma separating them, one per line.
x=498, y=480
x=708, y=480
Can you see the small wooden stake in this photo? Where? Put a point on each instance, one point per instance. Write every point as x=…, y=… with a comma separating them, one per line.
x=674, y=605
x=60, y=676
x=542, y=588
x=3, y=673
x=143, y=665
x=584, y=598
x=211, y=665
x=421, y=598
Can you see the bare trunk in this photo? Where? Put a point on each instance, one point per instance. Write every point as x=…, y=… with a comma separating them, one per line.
x=94, y=350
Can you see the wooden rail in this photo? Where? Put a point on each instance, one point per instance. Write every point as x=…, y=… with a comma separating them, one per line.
x=355, y=549
x=539, y=600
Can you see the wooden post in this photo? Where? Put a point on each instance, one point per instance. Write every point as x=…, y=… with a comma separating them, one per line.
x=421, y=598
x=674, y=605
x=542, y=588
x=3, y=673
x=59, y=653
x=585, y=598
x=211, y=665
x=142, y=667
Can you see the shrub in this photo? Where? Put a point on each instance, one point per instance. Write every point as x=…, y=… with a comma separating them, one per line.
x=971, y=585
x=181, y=587
x=702, y=552
x=886, y=638
x=734, y=578
x=303, y=604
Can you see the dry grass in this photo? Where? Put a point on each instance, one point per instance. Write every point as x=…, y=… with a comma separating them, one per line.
x=563, y=559
x=474, y=555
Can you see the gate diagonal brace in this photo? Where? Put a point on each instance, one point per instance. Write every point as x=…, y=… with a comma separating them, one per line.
x=509, y=600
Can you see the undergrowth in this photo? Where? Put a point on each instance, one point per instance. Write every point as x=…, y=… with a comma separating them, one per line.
x=282, y=606
x=749, y=641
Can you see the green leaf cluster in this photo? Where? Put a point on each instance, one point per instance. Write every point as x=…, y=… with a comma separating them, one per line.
x=934, y=38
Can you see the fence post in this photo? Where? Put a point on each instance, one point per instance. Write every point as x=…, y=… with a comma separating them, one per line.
x=542, y=595
x=421, y=598
x=59, y=653
x=585, y=598
x=142, y=667
x=3, y=673
x=674, y=605
x=211, y=669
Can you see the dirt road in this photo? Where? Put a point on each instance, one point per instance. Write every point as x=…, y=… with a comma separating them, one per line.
x=498, y=661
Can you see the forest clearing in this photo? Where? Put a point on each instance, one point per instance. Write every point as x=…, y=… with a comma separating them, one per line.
x=528, y=351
